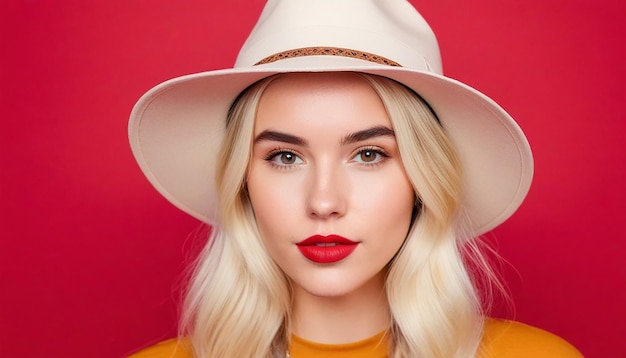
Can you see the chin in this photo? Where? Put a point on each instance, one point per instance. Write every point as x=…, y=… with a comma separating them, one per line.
x=328, y=292
x=337, y=288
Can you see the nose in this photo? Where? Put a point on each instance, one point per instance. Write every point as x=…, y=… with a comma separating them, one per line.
x=327, y=193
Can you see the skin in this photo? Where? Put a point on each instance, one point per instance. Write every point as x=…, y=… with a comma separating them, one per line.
x=309, y=174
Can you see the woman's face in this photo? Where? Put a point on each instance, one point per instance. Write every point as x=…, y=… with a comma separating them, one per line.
x=330, y=195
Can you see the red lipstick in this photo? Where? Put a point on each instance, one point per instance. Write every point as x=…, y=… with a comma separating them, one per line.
x=326, y=249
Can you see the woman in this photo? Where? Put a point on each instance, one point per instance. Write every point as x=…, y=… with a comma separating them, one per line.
x=345, y=178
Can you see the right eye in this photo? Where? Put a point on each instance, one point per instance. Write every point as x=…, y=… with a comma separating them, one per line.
x=284, y=158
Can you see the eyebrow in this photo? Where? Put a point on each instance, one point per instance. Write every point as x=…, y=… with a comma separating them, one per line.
x=279, y=137
x=378, y=131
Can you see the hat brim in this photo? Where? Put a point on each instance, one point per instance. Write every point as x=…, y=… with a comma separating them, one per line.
x=177, y=127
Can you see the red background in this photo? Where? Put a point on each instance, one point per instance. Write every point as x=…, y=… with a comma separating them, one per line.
x=91, y=256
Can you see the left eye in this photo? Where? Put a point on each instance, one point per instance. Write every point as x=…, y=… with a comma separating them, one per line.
x=369, y=156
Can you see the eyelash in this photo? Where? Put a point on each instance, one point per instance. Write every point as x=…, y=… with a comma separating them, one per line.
x=273, y=155
x=381, y=154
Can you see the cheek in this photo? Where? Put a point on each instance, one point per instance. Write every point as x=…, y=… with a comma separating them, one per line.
x=389, y=197
x=273, y=201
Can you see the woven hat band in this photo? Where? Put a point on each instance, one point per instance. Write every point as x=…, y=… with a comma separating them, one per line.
x=328, y=51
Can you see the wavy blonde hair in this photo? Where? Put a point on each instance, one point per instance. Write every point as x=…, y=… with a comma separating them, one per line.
x=238, y=302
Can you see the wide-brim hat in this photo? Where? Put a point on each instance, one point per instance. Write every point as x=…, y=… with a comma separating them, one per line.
x=177, y=127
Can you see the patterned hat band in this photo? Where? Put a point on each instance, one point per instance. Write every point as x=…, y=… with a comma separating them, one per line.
x=328, y=51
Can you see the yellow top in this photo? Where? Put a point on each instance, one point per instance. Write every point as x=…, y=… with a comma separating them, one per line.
x=501, y=339
x=375, y=346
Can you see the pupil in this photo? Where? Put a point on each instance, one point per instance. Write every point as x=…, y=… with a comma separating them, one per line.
x=367, y=155
x=287, y=158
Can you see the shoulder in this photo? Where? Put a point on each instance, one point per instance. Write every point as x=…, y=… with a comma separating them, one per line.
x=171, y=348
x=511, y=339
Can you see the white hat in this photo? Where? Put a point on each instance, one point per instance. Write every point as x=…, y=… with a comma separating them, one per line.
x=176, y=128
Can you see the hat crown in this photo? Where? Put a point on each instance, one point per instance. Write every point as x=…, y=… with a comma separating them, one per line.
x=392, y=29
x=177, y=127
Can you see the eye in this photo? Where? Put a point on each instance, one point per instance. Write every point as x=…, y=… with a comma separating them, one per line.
x=370, y=156
x=283, y=158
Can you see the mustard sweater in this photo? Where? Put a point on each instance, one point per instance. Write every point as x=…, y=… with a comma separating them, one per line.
x=501, y=339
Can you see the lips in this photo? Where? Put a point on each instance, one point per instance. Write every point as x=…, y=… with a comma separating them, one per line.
x=326, y=249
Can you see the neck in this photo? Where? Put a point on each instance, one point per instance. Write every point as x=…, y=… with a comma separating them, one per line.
x=357, y=315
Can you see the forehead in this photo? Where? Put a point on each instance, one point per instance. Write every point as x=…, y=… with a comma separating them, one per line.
x=326, y=100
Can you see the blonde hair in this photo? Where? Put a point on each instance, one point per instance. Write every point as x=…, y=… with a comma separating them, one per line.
x=435, y=308
x=238, y=302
